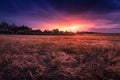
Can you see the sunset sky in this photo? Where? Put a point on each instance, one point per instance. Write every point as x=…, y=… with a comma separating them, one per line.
x=71, y=15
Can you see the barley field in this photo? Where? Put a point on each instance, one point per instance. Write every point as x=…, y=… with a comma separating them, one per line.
x=78, y=57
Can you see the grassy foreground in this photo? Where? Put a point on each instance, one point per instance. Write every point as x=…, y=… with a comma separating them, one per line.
x=85, y=57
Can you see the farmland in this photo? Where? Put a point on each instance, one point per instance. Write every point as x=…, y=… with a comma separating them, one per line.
x=77, y=57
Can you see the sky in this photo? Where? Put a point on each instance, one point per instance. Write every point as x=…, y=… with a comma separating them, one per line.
x=70, y=15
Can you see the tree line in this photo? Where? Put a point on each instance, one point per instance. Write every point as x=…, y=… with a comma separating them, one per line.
x=6, y=28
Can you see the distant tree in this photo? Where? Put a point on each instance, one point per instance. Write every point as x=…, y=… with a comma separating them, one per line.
x=85, y=32
x=61, y=32
x=24, y=28
x=37, y=32
x=55, y=30
x=4, y=27
x=4, y=24
x=47, y=31
x=13, y=28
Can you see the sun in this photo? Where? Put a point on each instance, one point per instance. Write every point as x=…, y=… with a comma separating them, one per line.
x=73, y=28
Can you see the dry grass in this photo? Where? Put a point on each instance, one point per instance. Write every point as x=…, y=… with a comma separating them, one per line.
x=85, y=57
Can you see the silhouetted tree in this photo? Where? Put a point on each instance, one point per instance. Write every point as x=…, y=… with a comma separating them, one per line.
x=13, y=28
x=4, y=24
x=55, y=30
x=36, y=32
x=4, y=27
x=24, y=30
x=47, y=32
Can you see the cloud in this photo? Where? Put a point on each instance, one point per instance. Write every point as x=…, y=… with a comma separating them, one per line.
x=79, y=6
x=67, y=6
x=37, y=13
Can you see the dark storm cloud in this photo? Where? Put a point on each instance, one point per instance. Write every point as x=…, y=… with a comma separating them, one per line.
x=78, y=6
x=70, y=6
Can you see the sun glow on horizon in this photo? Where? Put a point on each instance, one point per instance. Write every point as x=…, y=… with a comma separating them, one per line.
x=65, y=27
x=73, y=28
x=72, y=24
